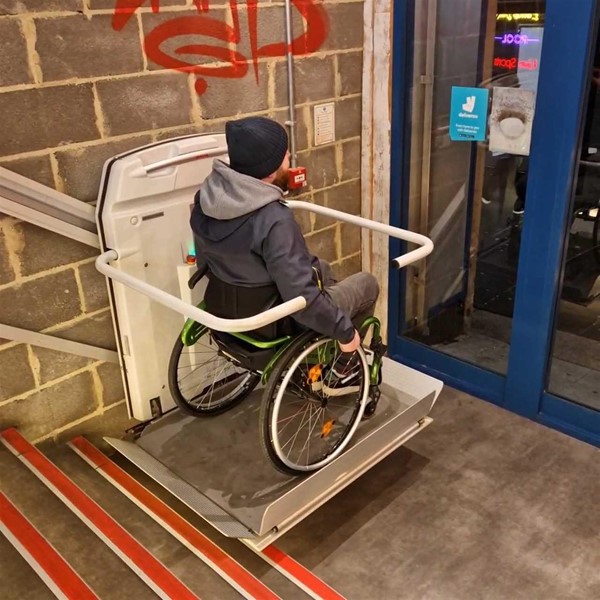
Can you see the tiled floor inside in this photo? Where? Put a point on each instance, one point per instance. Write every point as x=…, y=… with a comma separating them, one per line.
x=575, y=372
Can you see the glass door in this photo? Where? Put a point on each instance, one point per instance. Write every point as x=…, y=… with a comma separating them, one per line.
x=468, y=195
x=575, y=361
x=488, y=105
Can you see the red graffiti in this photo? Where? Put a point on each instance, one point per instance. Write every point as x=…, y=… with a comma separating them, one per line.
x=230, y=62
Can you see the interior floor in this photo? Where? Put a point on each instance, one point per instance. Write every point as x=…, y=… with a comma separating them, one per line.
x=575, y=369
x=484, y=504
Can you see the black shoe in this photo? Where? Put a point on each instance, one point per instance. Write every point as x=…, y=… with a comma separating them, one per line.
x=346, y=364
x=341, y=379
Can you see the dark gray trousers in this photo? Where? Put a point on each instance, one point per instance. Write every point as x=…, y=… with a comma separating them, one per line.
x=356, y=295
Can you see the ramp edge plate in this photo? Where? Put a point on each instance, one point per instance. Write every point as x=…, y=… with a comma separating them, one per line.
x=222, y=521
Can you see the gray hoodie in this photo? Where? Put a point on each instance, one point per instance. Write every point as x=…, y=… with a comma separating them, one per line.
x=250, y=239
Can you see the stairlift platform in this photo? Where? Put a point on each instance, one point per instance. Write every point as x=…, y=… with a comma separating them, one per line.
x=215, y=465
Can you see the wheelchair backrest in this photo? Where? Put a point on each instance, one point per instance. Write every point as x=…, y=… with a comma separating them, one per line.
x=230, y=301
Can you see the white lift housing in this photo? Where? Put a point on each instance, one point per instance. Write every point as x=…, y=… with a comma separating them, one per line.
x=143, y=213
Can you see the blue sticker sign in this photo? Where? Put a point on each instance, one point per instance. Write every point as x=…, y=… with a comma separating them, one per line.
x=468, y=114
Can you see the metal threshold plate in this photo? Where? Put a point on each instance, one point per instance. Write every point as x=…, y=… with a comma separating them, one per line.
x=216, y=466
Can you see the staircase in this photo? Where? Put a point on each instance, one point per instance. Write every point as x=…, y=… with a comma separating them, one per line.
x=78, y=524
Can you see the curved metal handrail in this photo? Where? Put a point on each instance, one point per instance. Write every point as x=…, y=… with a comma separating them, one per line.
x=426, y=245
x=193, y=312
x=278, y=312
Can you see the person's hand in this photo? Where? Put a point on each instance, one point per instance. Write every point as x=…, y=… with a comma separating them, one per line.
x=353, y=345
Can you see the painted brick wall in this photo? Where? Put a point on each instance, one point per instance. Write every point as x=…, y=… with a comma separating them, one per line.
x=81, y=81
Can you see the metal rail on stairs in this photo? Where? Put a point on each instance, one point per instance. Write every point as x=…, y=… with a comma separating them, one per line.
x=29, y=201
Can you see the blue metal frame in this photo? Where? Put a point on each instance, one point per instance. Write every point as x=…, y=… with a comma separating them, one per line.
x=552, y=173
x=403, y=27
x=568, y=38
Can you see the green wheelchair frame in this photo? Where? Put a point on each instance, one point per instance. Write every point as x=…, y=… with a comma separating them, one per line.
x=193, y=331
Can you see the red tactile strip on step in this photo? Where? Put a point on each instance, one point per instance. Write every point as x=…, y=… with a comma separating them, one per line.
x=301, y=576
x=53, y=569
x=145, y=565
x=218, y=560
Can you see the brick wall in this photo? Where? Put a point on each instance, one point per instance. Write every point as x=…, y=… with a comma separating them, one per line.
x=76, y=87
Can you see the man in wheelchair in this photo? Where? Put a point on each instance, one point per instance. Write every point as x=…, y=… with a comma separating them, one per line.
x=257, y=256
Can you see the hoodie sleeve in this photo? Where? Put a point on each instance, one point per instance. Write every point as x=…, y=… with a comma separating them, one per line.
x=290, y=266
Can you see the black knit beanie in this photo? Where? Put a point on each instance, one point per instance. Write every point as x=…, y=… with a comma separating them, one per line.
x=256, y=145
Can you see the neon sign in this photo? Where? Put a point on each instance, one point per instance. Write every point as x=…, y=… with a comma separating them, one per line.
x=531, y=64
x=532, y=17
x=516, y=39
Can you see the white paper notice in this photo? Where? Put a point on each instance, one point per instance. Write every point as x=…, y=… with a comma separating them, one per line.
x=511, y=120
x=324, y=115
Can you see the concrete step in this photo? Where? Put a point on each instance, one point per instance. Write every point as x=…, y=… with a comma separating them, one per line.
x=99, y=567
x=18, y=578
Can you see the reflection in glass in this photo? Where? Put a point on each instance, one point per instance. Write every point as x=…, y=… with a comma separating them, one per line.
x=575, y=367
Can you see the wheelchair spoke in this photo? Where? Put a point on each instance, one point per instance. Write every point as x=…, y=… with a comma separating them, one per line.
x=310, y=413
x=203, y=380
x=203, y=392
x=193, y=371
x=307, y=443
x=294, y=437
x=288, y=419
x=213, y=385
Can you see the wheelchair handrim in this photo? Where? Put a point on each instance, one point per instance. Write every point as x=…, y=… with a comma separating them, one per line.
x=277, y=403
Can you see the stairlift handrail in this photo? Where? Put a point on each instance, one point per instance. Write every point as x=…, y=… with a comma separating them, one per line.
x=424, y=243
x=181, y=159
x=189, y=310
x=278, y=312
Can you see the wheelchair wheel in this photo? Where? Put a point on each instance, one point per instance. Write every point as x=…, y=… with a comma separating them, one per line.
x=304, y=423
x=203, y=381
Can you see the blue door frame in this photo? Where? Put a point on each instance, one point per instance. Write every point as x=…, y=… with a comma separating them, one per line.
x=569, y=35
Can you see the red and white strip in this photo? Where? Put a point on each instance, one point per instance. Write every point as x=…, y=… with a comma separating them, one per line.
x=244, y=582
x=145, y=565
x=301, y=576
x=52, y=568
x=205, y=549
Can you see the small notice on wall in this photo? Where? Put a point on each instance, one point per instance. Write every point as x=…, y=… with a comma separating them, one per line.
x=511, y=121
x=468, y=114
x=324, y=119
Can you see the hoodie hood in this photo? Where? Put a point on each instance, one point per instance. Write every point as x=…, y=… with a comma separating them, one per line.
x=226, y=194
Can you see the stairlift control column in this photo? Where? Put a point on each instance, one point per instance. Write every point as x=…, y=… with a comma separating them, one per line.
x=143, y=212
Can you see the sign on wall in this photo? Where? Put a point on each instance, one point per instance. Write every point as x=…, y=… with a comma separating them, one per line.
x=468, y=114
x=324, y=119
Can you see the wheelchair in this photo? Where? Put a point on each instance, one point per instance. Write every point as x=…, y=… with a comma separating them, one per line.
x=304, y=422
